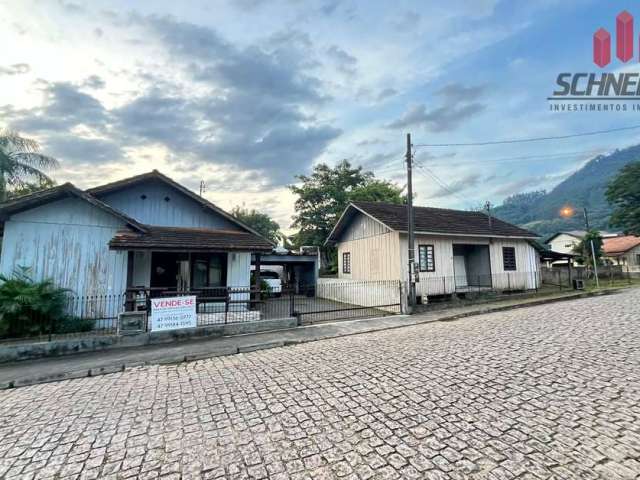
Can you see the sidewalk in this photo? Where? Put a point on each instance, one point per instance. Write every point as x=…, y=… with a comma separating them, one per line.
x=110, y=361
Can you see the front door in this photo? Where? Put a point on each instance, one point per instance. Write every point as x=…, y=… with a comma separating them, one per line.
x=460, y=271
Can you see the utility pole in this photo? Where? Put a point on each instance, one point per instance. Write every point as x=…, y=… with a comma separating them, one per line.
x=203, y=187
x=487, y=206
x=593, y=250
x=411, y=233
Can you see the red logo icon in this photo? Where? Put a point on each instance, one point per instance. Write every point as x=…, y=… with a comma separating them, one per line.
x=624, y=41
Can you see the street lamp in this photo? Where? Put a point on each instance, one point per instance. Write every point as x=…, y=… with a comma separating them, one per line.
x=568, y=211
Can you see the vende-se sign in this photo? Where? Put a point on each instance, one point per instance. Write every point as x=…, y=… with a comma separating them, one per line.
x=174, y=312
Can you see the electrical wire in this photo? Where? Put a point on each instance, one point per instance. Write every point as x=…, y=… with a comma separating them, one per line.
x=526, y=140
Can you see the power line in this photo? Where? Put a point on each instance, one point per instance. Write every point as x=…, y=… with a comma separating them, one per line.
x=425, y=171
x=540, y=157
x=526, y=140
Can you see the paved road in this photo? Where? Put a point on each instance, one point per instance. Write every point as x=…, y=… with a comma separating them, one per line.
x=543, y=392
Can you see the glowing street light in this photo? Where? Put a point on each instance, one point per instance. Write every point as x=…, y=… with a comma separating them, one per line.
x=568, y=211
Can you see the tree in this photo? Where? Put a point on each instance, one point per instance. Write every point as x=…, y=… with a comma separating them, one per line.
x=260, y=222
x=378, y=191
x=323, y=196
x=623, y=192
x=583, y=248
x=30, y=187
x=21, y=162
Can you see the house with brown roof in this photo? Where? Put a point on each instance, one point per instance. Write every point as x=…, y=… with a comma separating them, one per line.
x=146, y=232
x=455, y=251
x=623, y=250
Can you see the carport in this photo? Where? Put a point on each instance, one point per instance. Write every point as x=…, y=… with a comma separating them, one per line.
x=298, y=269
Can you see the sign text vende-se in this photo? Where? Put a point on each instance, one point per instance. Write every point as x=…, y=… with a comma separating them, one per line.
x=173, y=312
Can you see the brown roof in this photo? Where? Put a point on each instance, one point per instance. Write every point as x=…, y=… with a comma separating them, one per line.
x=42, y=197
x=432, y=220
x=618, y=245
x=189, y=239
x=156, y=175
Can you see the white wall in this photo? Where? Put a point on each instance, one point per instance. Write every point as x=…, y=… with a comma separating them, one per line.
x=563, y=243
x=239, y=275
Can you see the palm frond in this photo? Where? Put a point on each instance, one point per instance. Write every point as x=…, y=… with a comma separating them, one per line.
x=10, y=139
x=37, y=160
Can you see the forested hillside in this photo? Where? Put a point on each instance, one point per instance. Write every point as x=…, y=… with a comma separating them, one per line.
x=538, y=210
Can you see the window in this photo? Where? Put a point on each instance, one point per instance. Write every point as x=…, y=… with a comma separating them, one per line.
x=346, y=262
x=425, y=258
x=509, y=258
x=208, y=270
x=638, y=259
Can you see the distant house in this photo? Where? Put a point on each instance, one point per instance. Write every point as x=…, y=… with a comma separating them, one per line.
x=623, y=250
x=455, y=250
x=565, y=242
x=144, y=232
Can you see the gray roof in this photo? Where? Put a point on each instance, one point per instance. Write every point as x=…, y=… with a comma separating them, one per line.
x=431, y=220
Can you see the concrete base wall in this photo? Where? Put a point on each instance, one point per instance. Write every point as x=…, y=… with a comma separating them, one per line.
x=28, y=351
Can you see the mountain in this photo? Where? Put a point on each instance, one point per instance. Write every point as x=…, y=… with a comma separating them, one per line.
x=539, y=210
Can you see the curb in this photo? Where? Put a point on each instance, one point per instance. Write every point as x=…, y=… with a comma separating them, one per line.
x=222, y=352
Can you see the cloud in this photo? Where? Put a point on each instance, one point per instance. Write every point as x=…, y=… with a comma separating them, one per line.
x=346, y=63
x=458, y=106
x=82, y=150
x=65, y=107
x=94, y=81
x=15, y=69
x=408, y=22
x=251, y=108
x=459, y=185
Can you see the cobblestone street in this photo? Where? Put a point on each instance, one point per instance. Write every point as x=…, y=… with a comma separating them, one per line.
x=544, y=392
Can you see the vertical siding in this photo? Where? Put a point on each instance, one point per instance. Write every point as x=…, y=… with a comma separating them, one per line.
x=440, y=281
x=526, y=274
x=179, y=211
x=362, y=227
x=66, y=241
x=372, y=258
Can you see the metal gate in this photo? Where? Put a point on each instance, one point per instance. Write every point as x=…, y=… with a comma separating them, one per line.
x=342, y=300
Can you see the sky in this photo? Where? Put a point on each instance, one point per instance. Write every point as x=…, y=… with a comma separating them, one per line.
x=247, y=94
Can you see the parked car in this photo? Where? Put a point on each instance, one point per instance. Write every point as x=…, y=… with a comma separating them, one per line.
x=273, y=280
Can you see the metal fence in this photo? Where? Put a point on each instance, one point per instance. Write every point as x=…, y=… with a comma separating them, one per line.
x=435, y=286
x=99, y=314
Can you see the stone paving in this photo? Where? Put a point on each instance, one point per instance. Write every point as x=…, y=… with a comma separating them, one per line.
x=542, y=392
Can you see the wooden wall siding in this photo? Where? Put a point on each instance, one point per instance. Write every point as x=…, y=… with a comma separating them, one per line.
x=526, y=274
x=385, y=265
x=363, y=226
x=179, y=211
x=442, y=280
x=66, y=241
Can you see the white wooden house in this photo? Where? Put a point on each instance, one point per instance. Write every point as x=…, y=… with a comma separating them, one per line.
x=455, y=251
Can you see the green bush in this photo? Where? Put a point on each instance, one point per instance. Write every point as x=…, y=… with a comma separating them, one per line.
x=29, y=307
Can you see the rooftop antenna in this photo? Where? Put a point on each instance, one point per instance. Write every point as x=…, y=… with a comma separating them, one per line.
x=203, y=187
x=487, y=206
